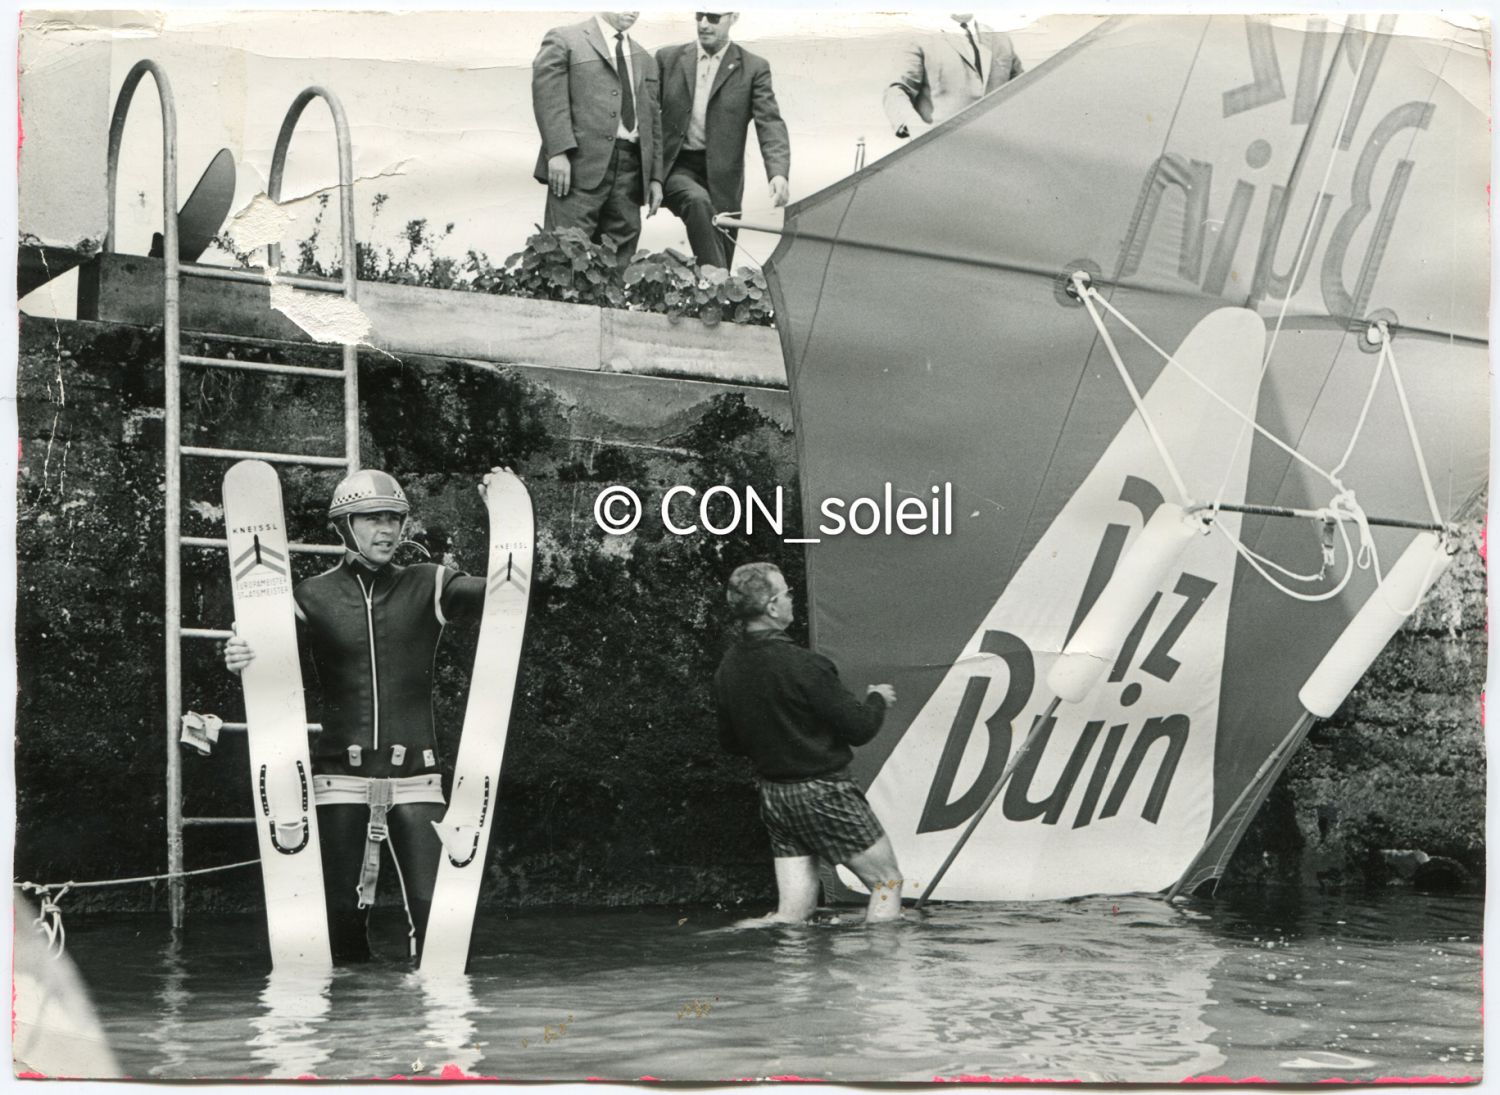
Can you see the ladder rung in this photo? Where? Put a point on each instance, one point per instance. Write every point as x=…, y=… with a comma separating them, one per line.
x=217, y=821
x=273, y=457
x=205, y=633
x=312, y=727
x=220, y=542
x=229, y=273
x=260, y=367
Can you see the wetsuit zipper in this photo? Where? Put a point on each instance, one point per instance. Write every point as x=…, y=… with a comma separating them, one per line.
x=374, y=672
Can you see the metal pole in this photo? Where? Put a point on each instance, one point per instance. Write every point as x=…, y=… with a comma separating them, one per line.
x=1288, y=511
x=171, y=334
x=989, y=800
x=349, y=252
x=171, y=347
x=1298, y=729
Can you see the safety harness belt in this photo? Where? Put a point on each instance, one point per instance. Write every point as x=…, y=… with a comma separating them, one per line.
x=380, y=795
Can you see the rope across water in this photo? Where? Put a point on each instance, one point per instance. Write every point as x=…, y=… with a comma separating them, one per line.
x=50, y=921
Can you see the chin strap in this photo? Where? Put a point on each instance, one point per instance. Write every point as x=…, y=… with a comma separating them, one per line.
x=351, y=542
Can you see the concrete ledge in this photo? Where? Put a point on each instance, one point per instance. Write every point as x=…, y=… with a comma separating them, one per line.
x=409, y=320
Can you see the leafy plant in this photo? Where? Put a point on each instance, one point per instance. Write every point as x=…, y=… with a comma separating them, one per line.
x=561, y=265
x=565, y=266
x=669, y=282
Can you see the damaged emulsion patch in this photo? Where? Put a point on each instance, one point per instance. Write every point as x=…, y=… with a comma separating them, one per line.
x=326, y=317
x=323, y=316
x=262, y=222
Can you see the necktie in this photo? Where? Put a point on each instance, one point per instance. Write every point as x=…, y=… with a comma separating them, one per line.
x=974, y=45
x=627, y=96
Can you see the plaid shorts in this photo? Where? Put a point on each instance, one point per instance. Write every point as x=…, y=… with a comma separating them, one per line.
x=827, y=817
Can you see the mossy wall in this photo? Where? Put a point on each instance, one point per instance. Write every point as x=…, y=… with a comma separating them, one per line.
x=1401, y=765
x=614, y=790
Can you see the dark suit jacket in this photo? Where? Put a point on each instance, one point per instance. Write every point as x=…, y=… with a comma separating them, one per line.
x=741, y=91
x=575, y=95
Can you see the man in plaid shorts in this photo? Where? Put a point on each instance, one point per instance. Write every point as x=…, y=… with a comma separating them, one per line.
x=784, y=707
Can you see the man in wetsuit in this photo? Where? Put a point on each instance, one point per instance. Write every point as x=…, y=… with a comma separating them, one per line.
x=784, y=707
x=372, y=628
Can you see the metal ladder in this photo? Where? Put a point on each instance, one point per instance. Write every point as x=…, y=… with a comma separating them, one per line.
x=175, y=359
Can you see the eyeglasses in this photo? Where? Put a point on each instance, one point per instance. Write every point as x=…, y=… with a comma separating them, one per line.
x=713, y=17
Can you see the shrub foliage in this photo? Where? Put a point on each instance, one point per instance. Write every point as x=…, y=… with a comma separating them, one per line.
x=561, y=265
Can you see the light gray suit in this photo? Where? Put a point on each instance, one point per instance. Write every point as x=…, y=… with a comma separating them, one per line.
x=937, y=77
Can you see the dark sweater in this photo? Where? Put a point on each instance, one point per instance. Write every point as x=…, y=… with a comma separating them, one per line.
x=785, y=708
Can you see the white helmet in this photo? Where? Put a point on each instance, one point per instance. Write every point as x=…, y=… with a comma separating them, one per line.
x=368, y=491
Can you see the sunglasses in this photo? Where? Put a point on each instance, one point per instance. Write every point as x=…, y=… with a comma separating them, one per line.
x=713, y=17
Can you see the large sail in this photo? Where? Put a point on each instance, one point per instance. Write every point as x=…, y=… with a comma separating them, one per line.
x=1252, y=195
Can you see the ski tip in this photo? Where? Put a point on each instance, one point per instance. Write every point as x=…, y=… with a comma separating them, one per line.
x=250, y=473
x=503, y=486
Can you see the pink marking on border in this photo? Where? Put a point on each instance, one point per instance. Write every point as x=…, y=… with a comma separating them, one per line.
x=1224, y=1080
x=969, y=1078
x=1336, y=1080
x=32, y=1076
x=453, y=1072
x=1427, y=1080
x=796, y=1080
x=20, y=128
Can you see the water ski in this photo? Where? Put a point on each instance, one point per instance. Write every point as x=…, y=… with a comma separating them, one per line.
x=286, y=823
x=465, y=828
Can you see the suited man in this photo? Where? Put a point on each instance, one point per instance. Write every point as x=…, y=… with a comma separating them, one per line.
x=943, y=73
x=711, y=90
x=595, y=96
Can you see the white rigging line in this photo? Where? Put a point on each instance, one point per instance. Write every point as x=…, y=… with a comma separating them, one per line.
x=1343, y=507
x=1247, y=422
x=1087, y=294
x=1388, y=355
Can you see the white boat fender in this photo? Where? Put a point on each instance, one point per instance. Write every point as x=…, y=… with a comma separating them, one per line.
x=1375, y=624
x=1143, y=570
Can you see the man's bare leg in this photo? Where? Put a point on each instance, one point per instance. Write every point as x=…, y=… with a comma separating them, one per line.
x=877, y=869
x=796, y=890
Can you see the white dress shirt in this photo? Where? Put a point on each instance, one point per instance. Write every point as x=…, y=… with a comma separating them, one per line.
x=970, y=41
x=609, y=33
x=708, y=69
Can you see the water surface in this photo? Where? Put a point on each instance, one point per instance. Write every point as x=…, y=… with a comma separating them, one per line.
x=1292, y=988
